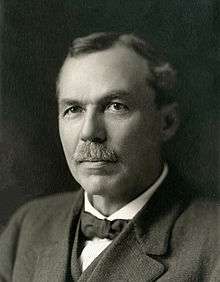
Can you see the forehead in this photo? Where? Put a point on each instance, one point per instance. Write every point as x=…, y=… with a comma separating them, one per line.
x=117, y=68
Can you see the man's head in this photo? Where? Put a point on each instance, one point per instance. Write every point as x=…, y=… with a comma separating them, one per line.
x=115, y=112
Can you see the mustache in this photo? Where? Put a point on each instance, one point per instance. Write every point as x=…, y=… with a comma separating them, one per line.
x=93, y=152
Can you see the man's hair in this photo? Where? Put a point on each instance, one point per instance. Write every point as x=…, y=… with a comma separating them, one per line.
x=162, y=77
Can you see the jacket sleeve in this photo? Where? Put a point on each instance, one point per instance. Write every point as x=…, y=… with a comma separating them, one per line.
x=9, y=240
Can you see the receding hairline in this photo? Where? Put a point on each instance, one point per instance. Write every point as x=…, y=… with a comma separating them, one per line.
x=162, y=75
x=142, y=63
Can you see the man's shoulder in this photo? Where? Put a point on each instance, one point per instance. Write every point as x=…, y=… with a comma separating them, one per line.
x=47, y=209
x=57, y=201
x=202, y=211
x=194, y=206
x=36, y=225
x=202, y=203
x=53, y=201
x=196, y=216
x=199, y=222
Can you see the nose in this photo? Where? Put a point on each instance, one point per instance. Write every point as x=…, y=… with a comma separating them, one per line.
x=93, y=128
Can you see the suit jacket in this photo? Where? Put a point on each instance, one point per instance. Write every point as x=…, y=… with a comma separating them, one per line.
x=173, y=238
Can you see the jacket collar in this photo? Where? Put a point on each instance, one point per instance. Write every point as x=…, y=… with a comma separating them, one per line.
x=154, y=223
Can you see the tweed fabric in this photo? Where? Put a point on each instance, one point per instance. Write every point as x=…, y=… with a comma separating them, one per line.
x=173, y=238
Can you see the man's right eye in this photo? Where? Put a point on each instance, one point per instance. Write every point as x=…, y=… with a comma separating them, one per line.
x=75, y=109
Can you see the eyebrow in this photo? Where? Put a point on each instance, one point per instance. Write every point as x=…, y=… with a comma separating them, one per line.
x=114, y=94
x=108, y=96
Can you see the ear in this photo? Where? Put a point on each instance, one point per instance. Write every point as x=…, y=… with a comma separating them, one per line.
x=169, y=121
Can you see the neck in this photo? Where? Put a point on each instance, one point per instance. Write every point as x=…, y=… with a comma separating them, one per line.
x=108, y=204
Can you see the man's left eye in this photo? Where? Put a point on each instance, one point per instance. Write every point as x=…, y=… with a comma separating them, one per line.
x=117, y=107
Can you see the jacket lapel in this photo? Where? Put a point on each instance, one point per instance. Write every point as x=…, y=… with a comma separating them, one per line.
x=53, y=256
x=123, y=260
x=135, y=255
x=77, y=247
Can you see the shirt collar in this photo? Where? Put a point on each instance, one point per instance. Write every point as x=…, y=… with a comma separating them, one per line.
x=128, y=211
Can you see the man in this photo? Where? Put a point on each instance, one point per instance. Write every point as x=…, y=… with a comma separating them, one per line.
x=134, y=219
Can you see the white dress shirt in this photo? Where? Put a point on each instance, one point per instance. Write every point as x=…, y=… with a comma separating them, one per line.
x=95, y=246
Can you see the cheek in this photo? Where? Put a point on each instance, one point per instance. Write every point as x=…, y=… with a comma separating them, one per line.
x=134, y=133
x=69, y=136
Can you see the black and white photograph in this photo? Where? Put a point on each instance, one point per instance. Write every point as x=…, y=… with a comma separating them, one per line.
x=109, y=141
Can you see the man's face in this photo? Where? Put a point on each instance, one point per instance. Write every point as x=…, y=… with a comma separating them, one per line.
x=109, y=125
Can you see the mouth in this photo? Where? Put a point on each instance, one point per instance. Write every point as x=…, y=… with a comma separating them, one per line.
x=96, y=164
x=96, y=161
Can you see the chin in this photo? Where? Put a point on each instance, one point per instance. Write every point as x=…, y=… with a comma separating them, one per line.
x=97, y=185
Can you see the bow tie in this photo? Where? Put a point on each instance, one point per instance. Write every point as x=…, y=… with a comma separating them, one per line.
x=92, y=226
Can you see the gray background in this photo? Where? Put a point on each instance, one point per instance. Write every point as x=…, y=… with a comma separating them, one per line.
x=35, y=36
